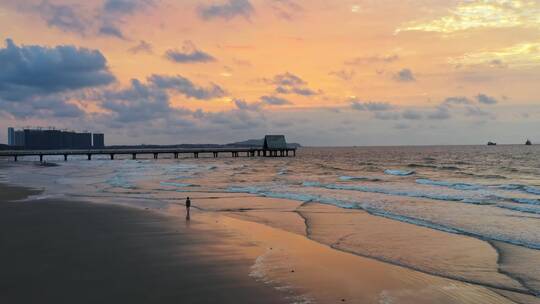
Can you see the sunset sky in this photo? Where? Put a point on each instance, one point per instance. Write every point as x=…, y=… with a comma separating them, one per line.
x=373, y=72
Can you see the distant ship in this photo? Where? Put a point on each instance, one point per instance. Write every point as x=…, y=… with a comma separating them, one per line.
x=528, y=143
x=490, y=143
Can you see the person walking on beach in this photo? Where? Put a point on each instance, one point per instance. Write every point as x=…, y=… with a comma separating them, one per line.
x=188, y=205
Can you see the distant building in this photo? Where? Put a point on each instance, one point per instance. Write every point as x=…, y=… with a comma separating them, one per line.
x=98, y=140
x=274, y=142
x=11, y=137
x=39, y=139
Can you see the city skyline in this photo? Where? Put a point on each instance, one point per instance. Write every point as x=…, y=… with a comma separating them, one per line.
x=218, y=71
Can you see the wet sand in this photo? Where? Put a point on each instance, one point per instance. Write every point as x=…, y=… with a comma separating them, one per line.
x=75, y=252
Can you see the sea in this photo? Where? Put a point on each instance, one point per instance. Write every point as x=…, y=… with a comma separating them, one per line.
x=469, y=213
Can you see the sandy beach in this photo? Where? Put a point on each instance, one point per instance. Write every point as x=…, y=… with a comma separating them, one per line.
x=76, y=252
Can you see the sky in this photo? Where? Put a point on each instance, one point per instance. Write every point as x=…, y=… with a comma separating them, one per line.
x=324, y=73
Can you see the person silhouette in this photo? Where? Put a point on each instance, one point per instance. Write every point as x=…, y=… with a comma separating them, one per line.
x=188, y=205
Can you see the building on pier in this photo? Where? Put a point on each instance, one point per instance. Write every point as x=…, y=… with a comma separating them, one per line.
x=274, y=142
x=44, y=139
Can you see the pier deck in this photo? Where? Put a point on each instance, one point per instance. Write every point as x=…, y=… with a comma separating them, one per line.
x=210, y=152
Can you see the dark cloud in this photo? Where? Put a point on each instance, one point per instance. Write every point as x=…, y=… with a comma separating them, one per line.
x=189, y=54
x=288, y=83
x=362, y=60
x=405, y=75
x=243, y=105
x=111, y=30
x=43, y=107
x=226, y=10
x=275, y=101
x=138, y=103
x=484, y=99
x=411, y=115
x=183, y=85
x=105, y=20
x=35, y=70
x=141, y=47
x=440, y=113
x=125, y=6
x=371, y=106
x=64, y=17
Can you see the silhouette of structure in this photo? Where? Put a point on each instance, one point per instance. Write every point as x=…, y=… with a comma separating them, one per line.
x=48, y=139
x=274, y=144
x=11, y=136
x=98, y=140
x=528, y=142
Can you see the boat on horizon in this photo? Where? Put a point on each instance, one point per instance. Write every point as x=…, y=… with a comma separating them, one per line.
x=490, y=143
x=528, y=142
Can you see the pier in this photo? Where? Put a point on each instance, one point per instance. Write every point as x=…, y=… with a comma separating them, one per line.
x=175, y=153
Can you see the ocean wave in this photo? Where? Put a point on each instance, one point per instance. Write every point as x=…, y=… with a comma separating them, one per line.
x=120, y=182
x=359, y=178
x=457, y=186
x=398, y=172
x=396, y=192
x=522, y=188
x=527, y=201
x=383, y=213
x=180, y=185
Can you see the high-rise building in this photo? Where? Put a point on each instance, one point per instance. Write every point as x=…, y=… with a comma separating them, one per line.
x=11, y=136
x=98, y=140
x=36, y=139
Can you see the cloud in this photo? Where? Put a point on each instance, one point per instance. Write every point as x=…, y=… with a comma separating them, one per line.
x=285, y=9
x=226, y=10
x=141, y=47
x=189, y=54
x=243, y=105
x=275, y=101
x=288, y=83
x=440, y=113
x=386, y=115
x=362, y=60
x=184, y=86
x=371, y=106
x=35, y=70
x=104, y=20
x=520, y=55
x=125, y=6
x=405, y=75
x=484, y=99
x=343, y=74
x=411, y=115
x=137, y=103
x=63, y=17
x=111, y=30
x=56, y=106
x=457, y=100
x=481, y=14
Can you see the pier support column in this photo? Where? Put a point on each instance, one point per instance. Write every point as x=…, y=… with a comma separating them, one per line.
x=196, y=154
x=65, y=157
x=89, y=156
x=155, y=156
x=15, y=157
x=176, y=155
x=112, y=156
x=133, y=156
x=41, y=158
x=216, y=154
x=294, y=153
x=287, y=153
